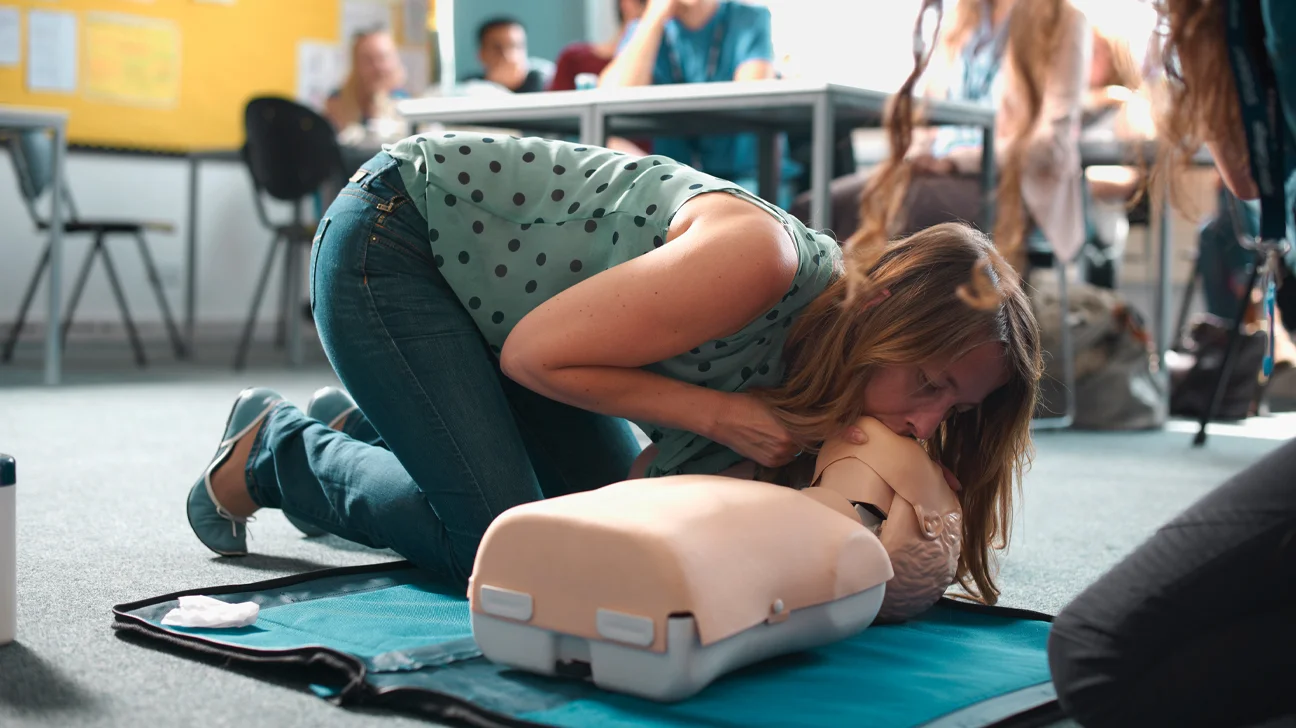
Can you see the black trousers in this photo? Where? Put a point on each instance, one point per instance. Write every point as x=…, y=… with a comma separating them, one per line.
x=1197, y=627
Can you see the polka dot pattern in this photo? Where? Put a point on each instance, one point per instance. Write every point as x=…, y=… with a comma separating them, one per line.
x=497, y=216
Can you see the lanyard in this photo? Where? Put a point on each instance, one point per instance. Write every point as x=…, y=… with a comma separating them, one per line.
x=979, y=75
x=713, y=54
x=1262, y=120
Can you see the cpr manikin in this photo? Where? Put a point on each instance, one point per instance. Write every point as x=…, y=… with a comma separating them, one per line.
x=892, y=487
x=656, y=587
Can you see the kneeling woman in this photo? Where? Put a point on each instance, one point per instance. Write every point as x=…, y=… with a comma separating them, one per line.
x=499, y=308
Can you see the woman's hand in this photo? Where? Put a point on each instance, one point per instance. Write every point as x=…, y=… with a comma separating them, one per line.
x=746, y=425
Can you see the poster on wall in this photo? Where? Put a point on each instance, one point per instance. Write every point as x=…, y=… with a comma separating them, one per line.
x=132, y=60
x=417, y=68
x=319, y=71
x=415, y=22
x=51, y=51
x=10, y=37
x=363, y=15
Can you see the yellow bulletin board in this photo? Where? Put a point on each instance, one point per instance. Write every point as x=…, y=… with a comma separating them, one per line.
x=174, y=75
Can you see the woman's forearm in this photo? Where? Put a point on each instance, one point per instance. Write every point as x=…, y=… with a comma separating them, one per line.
x=632, y=394
x=633, y=66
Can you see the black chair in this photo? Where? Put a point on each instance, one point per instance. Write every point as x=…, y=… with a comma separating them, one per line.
x=32, y=154
x=290, y=152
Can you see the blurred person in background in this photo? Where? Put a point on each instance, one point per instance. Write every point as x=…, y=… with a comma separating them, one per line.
x=1027, y=59
x=365, y=104
x=703, y=41
x=502, y=50
x=1196, y=627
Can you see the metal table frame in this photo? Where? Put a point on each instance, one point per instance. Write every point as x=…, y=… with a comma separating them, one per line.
x=54, y=120
x=1119, y=153
x=723, y=107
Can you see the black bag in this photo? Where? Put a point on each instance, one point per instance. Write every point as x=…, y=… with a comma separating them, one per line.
x=1205, y=346
x=1117, y=387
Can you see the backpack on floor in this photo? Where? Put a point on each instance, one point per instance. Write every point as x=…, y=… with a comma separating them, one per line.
x=1117, y=387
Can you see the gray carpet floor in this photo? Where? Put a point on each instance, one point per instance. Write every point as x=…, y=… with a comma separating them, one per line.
x=105, y=463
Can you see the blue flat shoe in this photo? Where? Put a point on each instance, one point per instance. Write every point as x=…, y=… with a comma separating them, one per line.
x=331, y=406
x=218, y=529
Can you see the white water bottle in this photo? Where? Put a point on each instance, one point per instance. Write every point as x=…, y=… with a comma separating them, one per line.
x=8, y=550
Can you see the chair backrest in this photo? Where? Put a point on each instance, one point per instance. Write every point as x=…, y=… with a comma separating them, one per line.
x=291, y=150
x=32, y=153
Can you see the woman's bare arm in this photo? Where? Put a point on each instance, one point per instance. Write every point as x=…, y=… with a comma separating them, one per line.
x=586, y=346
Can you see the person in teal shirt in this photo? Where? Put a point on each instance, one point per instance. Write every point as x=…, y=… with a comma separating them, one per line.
x=703, y=41
x=500, y=309
x=1196, y=625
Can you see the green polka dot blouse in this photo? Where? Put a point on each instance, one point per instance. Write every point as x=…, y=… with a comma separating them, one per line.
x=512, y=222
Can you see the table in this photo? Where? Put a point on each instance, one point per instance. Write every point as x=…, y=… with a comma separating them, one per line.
x=1095, y=153
x=765, y=107
x=55, y=120
x=195, y=160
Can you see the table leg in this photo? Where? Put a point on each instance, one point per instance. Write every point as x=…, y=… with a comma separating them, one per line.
x=593, y=127
x=770, y=179
x=54, y=313
x=988, y=177
x=821, y=163
x=191, y=259
x=1163, y=300
x=292, y=264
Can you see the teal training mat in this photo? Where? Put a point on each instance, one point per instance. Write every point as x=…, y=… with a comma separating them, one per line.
x=388, y=636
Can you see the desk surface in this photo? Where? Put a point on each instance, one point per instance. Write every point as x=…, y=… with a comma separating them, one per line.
x=774, y=103
x=1104, y=152
x=31, y=117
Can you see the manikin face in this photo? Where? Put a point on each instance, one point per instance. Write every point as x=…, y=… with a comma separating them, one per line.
x=913, y=400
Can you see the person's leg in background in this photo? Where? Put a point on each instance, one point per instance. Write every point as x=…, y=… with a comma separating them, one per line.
x=1198, y=625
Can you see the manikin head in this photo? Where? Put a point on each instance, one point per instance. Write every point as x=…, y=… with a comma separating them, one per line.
x=892, y=487
x=916, y=354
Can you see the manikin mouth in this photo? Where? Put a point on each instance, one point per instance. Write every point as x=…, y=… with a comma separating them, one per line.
x=870, y=515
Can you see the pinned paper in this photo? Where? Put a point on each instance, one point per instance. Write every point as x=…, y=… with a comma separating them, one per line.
x=51, y=51
x=415, y=22
x=363, y=15
x=132, y=59
x=319, y=72
x=417, y=69
x=10, y=38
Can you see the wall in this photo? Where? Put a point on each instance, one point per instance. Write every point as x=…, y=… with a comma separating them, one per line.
x=550, y=24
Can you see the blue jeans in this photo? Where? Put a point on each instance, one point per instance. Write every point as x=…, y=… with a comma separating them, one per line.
x=447, y=442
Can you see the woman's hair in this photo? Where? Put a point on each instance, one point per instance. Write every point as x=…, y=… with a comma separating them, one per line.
x=1123, y=68
x=1201, y=97
x=1032, y=35
x=832, y=353
x=352, y=98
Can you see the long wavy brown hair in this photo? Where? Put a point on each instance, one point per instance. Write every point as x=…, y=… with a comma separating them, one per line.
x=836, y=346
x=1201, y=104
x=1032, y=36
